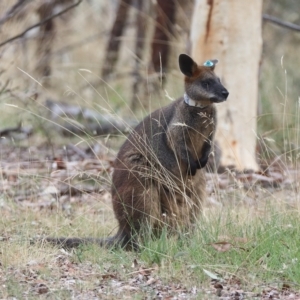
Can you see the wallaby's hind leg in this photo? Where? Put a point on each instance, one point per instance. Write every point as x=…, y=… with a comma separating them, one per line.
x=126, y=240
x=136, y=205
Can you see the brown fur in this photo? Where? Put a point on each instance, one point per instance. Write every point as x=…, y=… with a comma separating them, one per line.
x=158, y=177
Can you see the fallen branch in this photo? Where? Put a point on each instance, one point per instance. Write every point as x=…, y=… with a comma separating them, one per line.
x=281, y=23
x=41, y=23
x=17, y=129
x=79, y=120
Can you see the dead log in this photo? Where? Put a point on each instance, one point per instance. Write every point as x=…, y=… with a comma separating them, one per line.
x=21, y=131
x=81, y=121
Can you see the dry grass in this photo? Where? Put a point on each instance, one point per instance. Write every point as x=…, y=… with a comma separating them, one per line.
x=247, y=236
x=251, y=247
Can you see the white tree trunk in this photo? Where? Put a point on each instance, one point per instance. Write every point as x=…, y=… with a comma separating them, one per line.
x=231, y=32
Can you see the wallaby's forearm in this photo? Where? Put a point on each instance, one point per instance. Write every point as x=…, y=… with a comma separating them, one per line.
x=206, y=150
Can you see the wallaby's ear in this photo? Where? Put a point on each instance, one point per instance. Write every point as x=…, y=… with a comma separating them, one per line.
x=215, y=61
x=187, y=65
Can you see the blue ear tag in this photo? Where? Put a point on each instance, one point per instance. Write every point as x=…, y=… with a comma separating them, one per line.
x=208, y=63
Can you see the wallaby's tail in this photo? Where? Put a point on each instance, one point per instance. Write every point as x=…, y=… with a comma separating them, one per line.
x=76, y=242
x=121, y=239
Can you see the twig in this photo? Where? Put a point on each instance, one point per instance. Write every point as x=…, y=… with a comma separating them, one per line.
x=11, y=12
x=40, y=23
x=281, y=23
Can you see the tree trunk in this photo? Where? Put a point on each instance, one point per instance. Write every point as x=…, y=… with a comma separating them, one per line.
x=45, y=41
x=231, y=32
x=162, y=33
x=140, y=23
x=112, y=49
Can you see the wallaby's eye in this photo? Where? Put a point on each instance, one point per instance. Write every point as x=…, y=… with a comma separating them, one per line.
x=206, y=83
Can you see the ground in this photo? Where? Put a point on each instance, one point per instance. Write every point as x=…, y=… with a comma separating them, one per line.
x=245, y=246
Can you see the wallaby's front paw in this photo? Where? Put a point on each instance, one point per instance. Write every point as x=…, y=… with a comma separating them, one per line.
x=202, y=163
x=192, y=169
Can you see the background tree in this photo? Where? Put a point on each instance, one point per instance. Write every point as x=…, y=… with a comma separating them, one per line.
x=164, y=26
x=218, y=30
x=113, y=46
x=45, y=40
x=231, y=32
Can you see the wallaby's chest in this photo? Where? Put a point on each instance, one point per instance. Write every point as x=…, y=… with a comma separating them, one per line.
x=197, y=128
x=204, y=124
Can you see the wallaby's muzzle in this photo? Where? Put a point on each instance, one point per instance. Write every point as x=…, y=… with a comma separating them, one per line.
x=225, y=93
x=220, y=97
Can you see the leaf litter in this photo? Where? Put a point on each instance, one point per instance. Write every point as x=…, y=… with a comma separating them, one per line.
x=38, y=180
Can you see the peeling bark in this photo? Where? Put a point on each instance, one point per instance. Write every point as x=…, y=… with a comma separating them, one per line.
x=211, y=4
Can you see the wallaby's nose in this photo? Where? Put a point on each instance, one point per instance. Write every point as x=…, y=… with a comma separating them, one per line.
x=225, y=93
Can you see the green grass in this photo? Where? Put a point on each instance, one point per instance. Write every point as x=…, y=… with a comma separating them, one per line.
x=261, y=240
x=262, y=249
x=268, y=256
x=270, y=251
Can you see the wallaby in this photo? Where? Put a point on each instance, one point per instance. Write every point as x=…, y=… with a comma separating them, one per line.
x=158, y=177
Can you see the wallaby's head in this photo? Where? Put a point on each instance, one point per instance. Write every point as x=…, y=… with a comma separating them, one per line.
x=201, y=83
